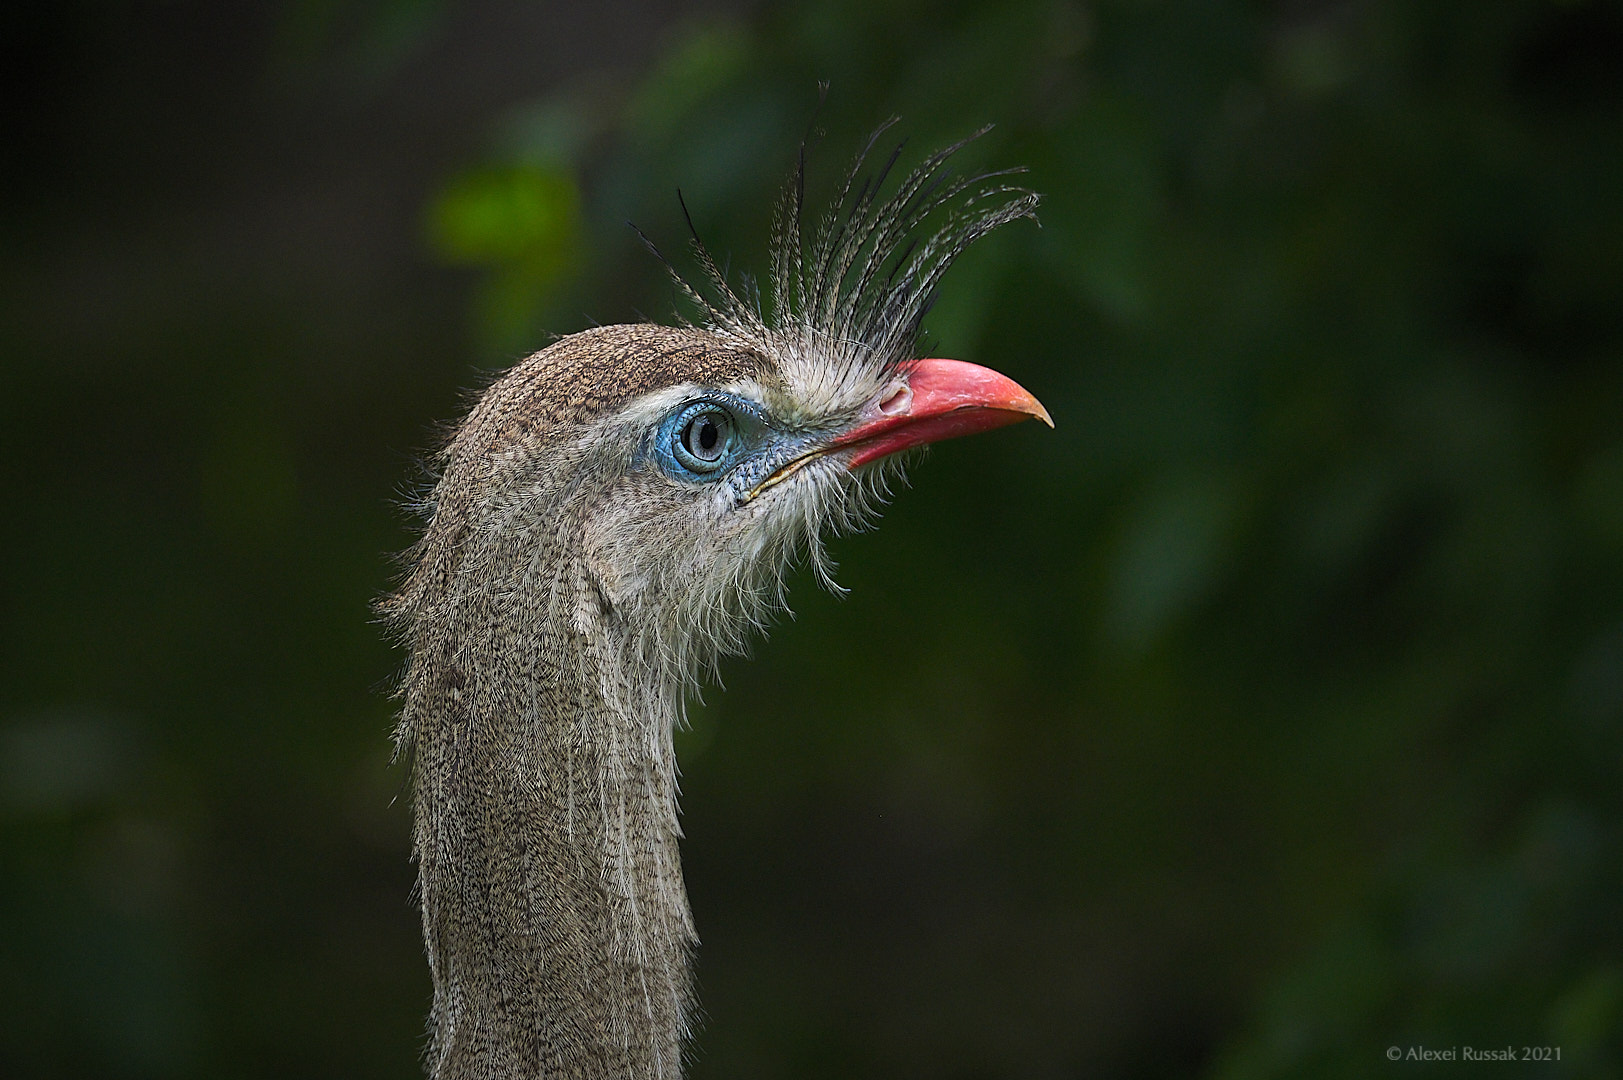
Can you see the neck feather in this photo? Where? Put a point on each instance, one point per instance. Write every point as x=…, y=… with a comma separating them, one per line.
x=556, y=922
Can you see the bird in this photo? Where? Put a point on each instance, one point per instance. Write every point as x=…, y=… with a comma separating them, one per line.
x=615, y=513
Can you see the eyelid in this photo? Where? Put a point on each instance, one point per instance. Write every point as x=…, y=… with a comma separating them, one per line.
x=742, y=408
x=749, y=417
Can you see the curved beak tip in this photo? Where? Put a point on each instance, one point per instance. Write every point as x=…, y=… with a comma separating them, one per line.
x=941, y=386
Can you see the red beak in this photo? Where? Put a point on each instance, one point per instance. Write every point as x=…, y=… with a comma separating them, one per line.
x=936, y=400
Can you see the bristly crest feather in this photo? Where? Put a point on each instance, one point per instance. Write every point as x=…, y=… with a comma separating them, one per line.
x=845, y=309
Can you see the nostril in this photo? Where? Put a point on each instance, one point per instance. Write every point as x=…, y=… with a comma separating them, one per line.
x=898, y=401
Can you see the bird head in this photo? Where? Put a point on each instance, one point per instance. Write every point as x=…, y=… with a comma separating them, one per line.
x=654, y=483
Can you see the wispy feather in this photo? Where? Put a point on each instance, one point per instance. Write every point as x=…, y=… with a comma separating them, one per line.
x=859, y=290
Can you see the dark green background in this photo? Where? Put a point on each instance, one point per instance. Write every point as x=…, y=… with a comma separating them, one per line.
x=1261, y=717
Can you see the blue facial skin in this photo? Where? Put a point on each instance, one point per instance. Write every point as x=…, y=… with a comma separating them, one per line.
x=756, y=447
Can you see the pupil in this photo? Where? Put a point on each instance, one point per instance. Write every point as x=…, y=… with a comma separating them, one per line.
x=708, y=435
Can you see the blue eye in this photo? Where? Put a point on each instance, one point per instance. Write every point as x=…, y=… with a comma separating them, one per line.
x=702, y=438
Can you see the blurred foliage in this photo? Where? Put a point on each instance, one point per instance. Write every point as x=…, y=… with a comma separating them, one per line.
x=1261, y=717
x=522, y=219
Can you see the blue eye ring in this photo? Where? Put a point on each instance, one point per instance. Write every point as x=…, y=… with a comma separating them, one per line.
x=702, y=438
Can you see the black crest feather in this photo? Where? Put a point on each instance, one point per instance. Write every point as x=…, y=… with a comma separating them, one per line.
x=872, y=265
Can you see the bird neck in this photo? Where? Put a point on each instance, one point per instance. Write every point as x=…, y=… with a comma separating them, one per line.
x=554, y=912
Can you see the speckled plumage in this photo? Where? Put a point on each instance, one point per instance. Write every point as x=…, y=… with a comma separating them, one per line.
x=566, y=594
